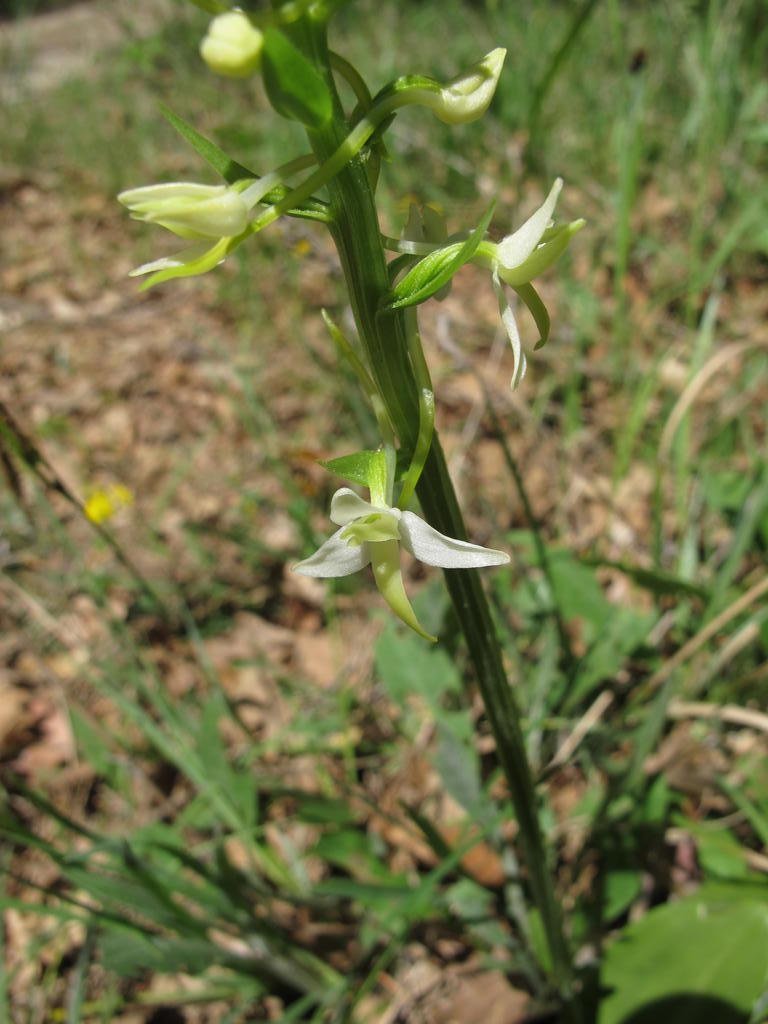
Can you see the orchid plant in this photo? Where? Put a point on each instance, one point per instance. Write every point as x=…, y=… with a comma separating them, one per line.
x=287, y=47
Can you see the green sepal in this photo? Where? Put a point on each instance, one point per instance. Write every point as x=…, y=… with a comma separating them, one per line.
x=434, y=271
x=538, y=311
x=295, y=88
x=232, y=171
x=366, y=468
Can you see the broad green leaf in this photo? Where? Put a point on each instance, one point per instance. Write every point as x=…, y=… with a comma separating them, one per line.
x=407, y=667
x=620, y=889
x=353, y=850
x=435, y=271
x=719, y=852
x=131, y=953
x=700, y=960
x=294, y=86
x=457, y=761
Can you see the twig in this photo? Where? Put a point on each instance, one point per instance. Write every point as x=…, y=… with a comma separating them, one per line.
x=695, y=385
x=588, y=720
x=731, y=713
x=705, y=634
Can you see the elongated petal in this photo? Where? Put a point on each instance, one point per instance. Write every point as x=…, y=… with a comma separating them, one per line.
x=385, y=562
x=520, y=363
x=144, y=198
x=336, y=557
x=517, y=247
x=553, y=245
x=346, y=506
x=433, y=548
x=178, y=259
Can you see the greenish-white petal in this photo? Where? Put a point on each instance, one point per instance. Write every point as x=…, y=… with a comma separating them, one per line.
x=434, y=548
x=542, y=258
x=517, y=247
x=193, y=265
x=176, y=260
x=336, y=557
x=346, y=506
x=520, y=363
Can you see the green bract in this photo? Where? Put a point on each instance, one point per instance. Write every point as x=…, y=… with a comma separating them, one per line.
x=294, y=87
x=436, y=269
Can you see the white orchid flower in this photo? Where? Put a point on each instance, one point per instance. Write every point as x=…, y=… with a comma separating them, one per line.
x=514, y=262
x=519, y=258
x=373, y=534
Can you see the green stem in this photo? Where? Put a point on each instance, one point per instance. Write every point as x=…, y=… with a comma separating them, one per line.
x=356, y=232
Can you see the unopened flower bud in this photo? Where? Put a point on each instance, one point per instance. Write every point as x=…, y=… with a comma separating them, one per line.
x=190, y=210
x=466, y=97
x=233, y=45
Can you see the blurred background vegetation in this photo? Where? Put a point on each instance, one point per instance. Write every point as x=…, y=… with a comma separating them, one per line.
x=231, y=795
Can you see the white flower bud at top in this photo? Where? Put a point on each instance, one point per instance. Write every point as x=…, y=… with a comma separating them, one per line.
x=466, y=97
x=233, y=45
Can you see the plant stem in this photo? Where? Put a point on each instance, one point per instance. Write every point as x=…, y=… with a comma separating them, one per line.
x=356, y=232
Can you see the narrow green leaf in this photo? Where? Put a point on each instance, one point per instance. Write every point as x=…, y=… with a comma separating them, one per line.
x=230, y=170
x=294, y=86
x=435, y=271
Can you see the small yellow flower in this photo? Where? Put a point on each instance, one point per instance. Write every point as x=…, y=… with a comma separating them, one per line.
x=103, y=503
